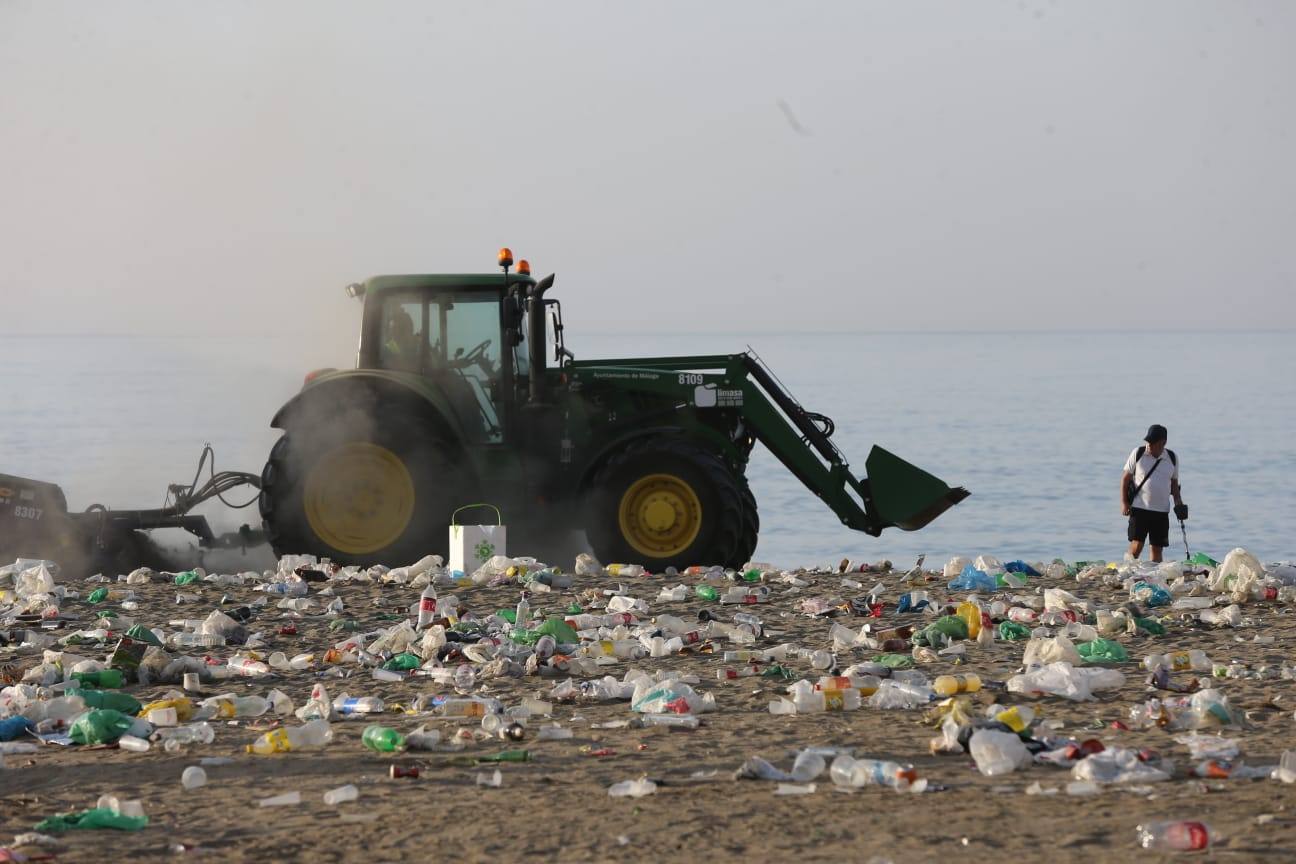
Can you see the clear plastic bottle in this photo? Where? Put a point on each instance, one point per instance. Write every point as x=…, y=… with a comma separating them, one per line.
x=1176, y=836
x=194, y=733
x=629, y=571
x=345, y=704
x=465, y=679
x=195, y=640
x=248, y=667
x=311, y=735
x=226, y=707
x=846, y=771
x=522, y=614
x=193, y=777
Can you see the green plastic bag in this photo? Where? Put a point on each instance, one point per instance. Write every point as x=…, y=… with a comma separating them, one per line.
x=186, y=577
x=97, y=817
x=1204, y=560
x=99, y=726
x=97, y=596
x=403, y=662
x=111, y=699
x=1011, y=631
x=1102, y=651
x=559, y=629
x=140, y=633
x=1151, y=626
x=109, y=678
x=950, y=626
x=509, y=615
x=894, y=661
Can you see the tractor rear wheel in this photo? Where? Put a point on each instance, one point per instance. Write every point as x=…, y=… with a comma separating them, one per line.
x=751, y=525
x=360, y=492
x=665, y=502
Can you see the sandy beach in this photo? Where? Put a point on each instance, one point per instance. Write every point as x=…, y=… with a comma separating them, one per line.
x=556, y=806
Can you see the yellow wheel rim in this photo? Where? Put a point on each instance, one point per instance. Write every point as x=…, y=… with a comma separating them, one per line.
x=660, y=515
x=359, y=498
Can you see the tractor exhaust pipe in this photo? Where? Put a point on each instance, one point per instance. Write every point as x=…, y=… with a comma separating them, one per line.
x=536, y=337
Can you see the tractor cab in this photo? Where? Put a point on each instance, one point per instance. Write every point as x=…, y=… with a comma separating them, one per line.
x=468, y=334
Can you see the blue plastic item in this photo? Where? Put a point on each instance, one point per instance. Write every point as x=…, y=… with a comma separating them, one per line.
x=906, y=603
x=1156, y=595
x=972, y=579
x=14, y=727
x=1021, y=567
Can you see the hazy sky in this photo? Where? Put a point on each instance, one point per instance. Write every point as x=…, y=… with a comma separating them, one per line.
x=206, y=167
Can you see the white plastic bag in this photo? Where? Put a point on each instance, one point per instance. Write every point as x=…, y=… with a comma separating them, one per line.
x=997, y=753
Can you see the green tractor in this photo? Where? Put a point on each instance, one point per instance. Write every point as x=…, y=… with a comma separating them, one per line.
x=454, y=401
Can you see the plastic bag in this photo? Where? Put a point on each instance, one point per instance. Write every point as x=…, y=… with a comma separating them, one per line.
x=1149, y=594
x=997, y=753
x=972, y=579
x=892, y=695
x=97, y=817
x=1237, y=564
x=1102, y=651
x=1057, y=679
x=99, y=726
x=944, y=629
x=1057, y=649
x=1117, y=765
x=1011, y=631
x=956, y=565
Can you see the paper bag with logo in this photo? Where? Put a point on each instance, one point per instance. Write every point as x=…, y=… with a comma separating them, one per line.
x=471, y=546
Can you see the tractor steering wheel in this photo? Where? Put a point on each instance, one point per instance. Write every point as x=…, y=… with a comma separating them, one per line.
x=476, y=356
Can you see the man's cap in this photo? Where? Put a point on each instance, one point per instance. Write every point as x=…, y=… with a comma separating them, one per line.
x=1156, y=432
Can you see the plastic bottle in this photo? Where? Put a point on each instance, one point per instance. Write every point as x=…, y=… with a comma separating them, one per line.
x=970, y=612
x=707, y=592
x=313, y=734
x=345, y=704
x=133, y=744
x=846, y=771
x=195, y=640
x=382, y=739
x=522, y=614
x=195, y=733
x=629, y=571
x=1179, y=661
x=341, y=795
x=247, y=667
x=225, y=707
x=1176, y=836
x=193, y=777
x=948, y=685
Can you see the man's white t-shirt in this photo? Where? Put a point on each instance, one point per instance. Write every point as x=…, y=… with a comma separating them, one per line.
x=1155, y=494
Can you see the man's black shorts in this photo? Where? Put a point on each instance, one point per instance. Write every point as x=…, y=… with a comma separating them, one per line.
x=1149, y=525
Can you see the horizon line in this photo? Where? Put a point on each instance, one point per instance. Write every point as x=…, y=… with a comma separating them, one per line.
x=602, y=331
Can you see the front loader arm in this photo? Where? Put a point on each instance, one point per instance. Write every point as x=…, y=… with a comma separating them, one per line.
x=894, y=494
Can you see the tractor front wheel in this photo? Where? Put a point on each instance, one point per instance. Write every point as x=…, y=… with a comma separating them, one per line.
x=665, y=502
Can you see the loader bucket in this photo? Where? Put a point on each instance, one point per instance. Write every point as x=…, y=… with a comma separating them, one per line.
x=904, y=495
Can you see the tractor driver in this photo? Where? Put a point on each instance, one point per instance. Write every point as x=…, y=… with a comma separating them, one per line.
x=402, y=344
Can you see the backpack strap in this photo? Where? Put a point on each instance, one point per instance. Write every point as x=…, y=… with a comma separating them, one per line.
x=1174, y=460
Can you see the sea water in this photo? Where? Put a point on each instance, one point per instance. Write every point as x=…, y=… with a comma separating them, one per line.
x=1036, y=425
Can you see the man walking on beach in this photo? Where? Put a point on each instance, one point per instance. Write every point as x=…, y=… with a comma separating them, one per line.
x=1150, y=480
